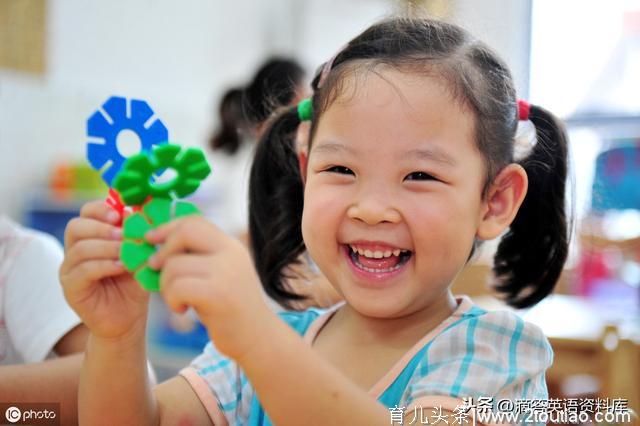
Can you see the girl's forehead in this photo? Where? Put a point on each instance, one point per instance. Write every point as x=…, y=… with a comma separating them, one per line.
x=388, y=103
x=380, y=81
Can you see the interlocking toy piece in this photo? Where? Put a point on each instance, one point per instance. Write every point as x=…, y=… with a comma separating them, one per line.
x=101, y=155
x=113, y=200
x=135, y=250
x=134, y=182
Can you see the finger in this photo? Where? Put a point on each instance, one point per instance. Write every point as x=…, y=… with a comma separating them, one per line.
x=180, y=269
x=87, y=274
x=191, y=234
x=81, y=228
x=101, y=211
x=184, y=292
x=159, y=234
x=92, y=249
x=185, y=265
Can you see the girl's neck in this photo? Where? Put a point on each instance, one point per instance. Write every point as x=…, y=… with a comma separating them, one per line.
x=403, y=331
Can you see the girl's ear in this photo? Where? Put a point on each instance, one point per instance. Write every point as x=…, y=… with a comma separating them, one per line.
x=302, y=163
x=504, y=198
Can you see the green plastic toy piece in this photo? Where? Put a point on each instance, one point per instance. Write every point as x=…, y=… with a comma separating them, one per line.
x=135, y=250
x=135, y=181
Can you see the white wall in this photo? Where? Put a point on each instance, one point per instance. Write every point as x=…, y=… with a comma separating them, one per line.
x=180, y=56
x=325, y=26
x=166, y=52
x=505, y=26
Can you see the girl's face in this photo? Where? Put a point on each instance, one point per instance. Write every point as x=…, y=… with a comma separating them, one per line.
x=393, y=192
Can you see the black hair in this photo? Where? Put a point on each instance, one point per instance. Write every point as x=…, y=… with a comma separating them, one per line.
x=275, y=207
x=273, y=86
x=227, y=135
x=531, y=254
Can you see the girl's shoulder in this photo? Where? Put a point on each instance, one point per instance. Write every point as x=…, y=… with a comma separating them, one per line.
x=502, y=329
x=483, y=353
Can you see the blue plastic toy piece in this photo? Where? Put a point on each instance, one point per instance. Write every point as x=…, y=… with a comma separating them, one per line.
x=107, y=128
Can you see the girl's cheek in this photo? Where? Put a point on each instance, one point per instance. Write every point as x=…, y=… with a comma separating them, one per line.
x=321, y=216
x=324, y=196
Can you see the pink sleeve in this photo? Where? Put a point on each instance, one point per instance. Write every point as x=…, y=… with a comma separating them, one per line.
x=206, y=396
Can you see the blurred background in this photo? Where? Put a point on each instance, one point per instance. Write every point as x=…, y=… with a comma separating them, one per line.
x=60, y=60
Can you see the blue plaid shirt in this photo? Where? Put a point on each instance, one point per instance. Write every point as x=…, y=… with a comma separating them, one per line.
x=473, y=353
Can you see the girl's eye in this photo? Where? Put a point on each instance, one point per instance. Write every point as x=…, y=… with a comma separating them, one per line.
x=419, y=176
x=340, y=169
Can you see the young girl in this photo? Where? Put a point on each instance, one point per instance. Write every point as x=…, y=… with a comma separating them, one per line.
x=410, y=165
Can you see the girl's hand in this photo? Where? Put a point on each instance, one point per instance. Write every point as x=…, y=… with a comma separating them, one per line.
x=96, y=285
x=205, y=269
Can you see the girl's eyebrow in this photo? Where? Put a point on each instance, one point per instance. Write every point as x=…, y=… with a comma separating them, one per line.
x=333, y=147
x=434, y=154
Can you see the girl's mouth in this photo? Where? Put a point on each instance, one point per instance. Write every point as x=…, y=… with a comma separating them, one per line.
x=377, y=264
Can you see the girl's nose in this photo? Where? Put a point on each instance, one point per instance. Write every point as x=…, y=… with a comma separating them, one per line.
x=373, y=209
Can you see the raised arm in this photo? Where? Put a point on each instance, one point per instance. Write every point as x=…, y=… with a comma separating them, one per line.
x=205, y=269
x=114, y=387
x=114, y=384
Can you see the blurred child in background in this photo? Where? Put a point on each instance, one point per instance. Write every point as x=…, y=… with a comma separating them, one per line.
x=41, y=338
x=243, y=115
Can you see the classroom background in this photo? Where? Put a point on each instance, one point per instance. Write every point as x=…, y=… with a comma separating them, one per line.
x=61, y=59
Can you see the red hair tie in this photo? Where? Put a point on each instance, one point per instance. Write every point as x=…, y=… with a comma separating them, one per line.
x=523, y=109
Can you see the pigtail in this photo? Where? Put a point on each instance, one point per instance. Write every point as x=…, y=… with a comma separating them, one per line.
x=531, y=254
x=275, y=206
x=227, y=136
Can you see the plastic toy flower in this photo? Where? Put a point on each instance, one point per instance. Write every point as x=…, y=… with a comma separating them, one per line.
x=107, y=127
x=135, y=182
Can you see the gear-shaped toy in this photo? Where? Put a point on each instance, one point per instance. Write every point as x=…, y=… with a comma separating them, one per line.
x=101, y=155
x=135, y=250
x=135, y=183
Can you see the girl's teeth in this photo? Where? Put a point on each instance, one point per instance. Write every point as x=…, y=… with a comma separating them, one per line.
x=377, y=254
x=378, y=271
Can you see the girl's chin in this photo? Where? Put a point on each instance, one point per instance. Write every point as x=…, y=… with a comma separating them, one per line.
x=375, y=305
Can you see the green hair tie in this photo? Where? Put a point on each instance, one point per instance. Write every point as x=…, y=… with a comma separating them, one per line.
x=305, y=109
